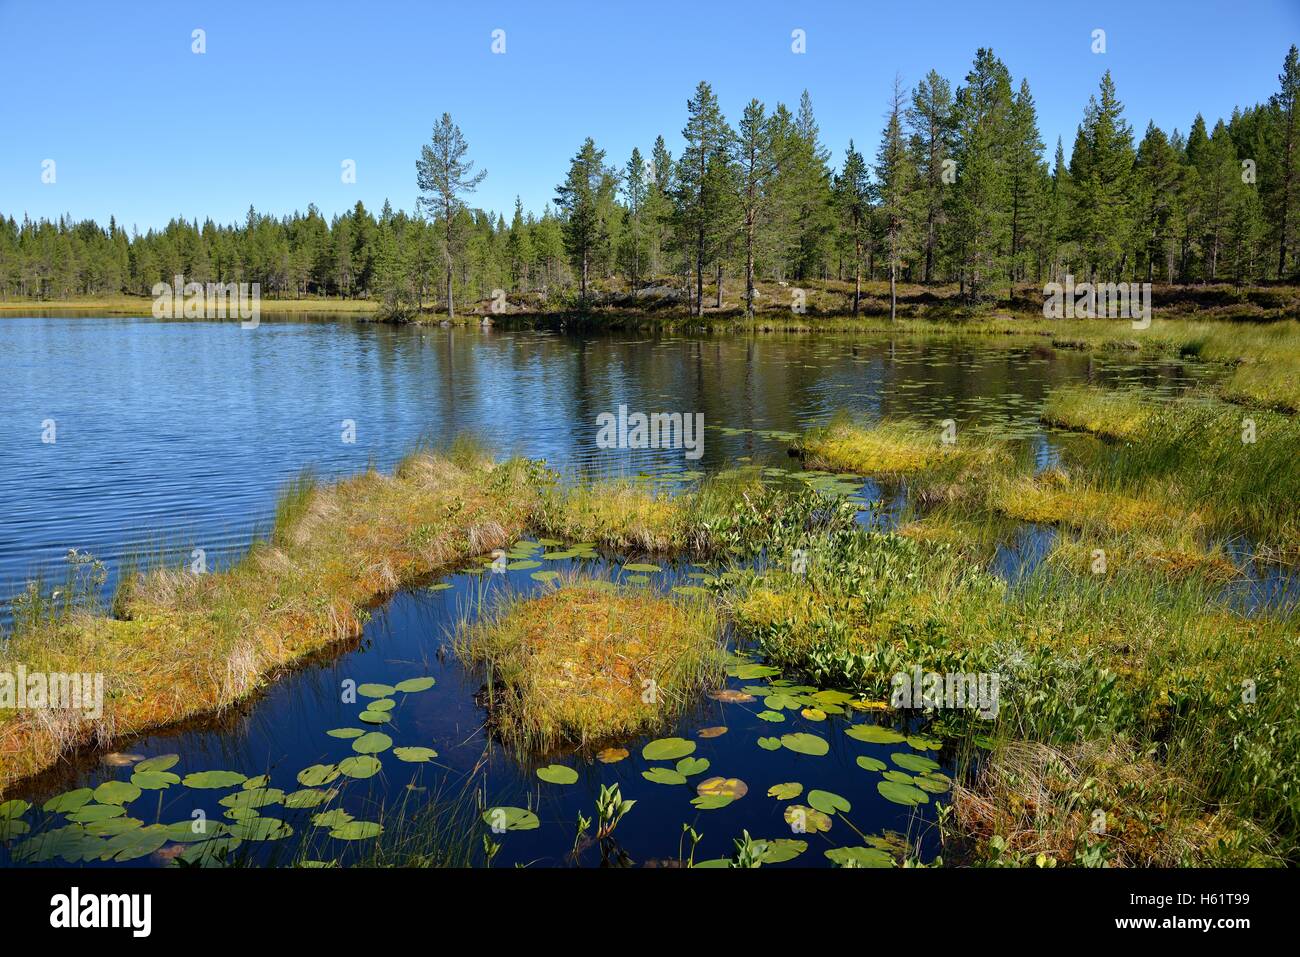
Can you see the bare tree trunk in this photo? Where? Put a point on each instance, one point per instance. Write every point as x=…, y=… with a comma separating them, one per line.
x=719, y=299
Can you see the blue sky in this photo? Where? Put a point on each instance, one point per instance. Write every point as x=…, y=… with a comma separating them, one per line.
x=141, y=127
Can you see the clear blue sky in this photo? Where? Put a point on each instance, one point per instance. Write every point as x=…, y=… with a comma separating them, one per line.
x=142, y=128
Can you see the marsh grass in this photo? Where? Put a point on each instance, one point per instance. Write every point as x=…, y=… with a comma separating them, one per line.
x=183, y=644
x=588, y=661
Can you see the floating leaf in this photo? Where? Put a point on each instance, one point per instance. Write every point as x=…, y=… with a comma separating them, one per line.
x=334, y=818
x=769, y=744
x=714, y=732
x=557, y=774
x=11, y=810
x=782, y=849
x=383, y=704
x=510, y=819
x=780, y=701
x=806, y=820
x=933, y=783
x=253, y=784
x=94, y=813
x=733, y=788
x=805, y=743
x=914, y=762
x=748, y=672
x=873, y=734
x=731, y=696
x=870, y=764
x=667, y=749
x=260, y=829
x=785, y=792
x=641, y=567
x=11, y=827
x=345, y=733
x=376, y=742
x=374, y=690
x=136, y=843
x=904, y=794
x=774, y=716
x=416, y=755
x=318, y=774
x=115, y=792
x=68, y=801
x=859, y=857
x=659, y=775
x=204, y=780
x=255, y=798
x=163, y=762
x=375, y=717
x=523, y=565
x=545, y=576
x=154, y=780
x=356, y=831
x=691, y=766
x=814, y=714
x=360, y=766
x=307, y=798
x=828, y=802
x=611, y=755
x=440, y=586
x=711, y=802
x=412, y=685
x=923, y=742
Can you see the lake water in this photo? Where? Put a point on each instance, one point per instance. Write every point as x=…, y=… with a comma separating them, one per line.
x=182, y=434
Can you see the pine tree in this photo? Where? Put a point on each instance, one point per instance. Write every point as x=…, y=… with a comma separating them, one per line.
x=1101, y=170
x=895, y=179
x=580, y=197
x=445, y=177
x=853, y=201
x=700, y=194
x=756, y=164
x=929, y=121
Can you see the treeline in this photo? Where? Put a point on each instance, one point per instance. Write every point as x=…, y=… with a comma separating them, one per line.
x=960, y=189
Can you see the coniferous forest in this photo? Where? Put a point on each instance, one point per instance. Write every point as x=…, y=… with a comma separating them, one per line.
x=961, y=189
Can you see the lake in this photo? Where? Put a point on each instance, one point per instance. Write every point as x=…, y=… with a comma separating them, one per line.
x=179, y=435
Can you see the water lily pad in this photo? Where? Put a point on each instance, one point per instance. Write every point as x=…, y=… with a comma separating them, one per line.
x=11, y=827
x=440, y=586
x=904, y=794
x=914, y=762
x=769, y=744
x=814, y=714
x=253, y=799
x=923, y=742
x=382, y=704
x=828, y=802
x=667, y=749
x=870, y=764
x=260, y=829
x=781, y=700
x=136, y=843
x=356, y=831
x=510, y=819
x=94, y=813
x=412, y=685
x=660, y=775
x=557, y=774
x=719, y=786
x=154, y=780
x=859, y=857
x=360, y=766
x=545, y=576
x=334, y=818
x=346, y=733
x=115, y=792
x=748, y=672
x=785, y=792
x=711, y=802
x=692, y=766
x=644, y=567
x=415, y=755
x=217, y=852
x=376, y=742
x=782, y=849
x=933, y=783
x=731, y=696
x=611, y=755
x=714, y=732
x=773, y=716
x=68, y=801
x=873, y=734
x=211, y=780
x=375, y=717
x=11, y=810
x=806, y=820
x=523, y=564
x=373, y=689
x=163, y=762
x=307, y=798
x=805, y=743
x=318, y=774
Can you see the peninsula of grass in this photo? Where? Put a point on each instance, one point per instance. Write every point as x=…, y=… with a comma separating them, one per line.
x=180, y=644
x=590, y=661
